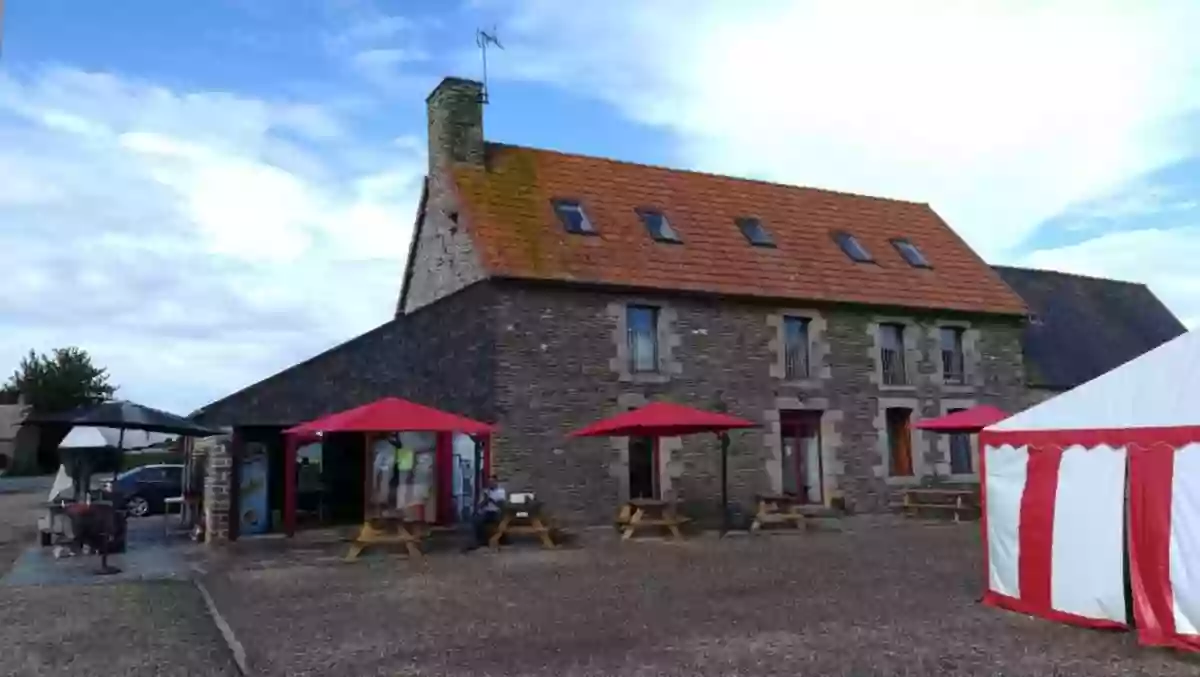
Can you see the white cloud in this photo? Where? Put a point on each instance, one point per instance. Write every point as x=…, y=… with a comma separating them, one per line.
x=194, y=242
x=1000, y=114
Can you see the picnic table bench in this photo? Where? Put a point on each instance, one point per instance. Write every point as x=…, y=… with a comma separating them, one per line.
x=389, y=530
x=958, y=502
x=641, y=513
x=779, y=509
x=522, y=519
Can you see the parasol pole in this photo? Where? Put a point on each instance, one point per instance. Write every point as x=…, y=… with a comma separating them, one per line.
x=120, y=454
x=724, y=482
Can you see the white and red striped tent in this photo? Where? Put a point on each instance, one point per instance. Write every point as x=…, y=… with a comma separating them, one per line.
x=1098, y=487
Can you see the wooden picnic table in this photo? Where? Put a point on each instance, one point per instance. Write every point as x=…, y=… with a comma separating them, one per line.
x=522, y=519
x=779, y=509
x=640, y=513
x=957, y=501
x=389, y=530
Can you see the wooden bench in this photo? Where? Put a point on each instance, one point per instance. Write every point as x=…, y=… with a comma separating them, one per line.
x=388, y=531
x=642, y=513
x=523, y=519
x=958, y=502
x=779, y=509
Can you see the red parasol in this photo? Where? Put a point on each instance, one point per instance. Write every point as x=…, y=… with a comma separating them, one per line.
x=392, y=414
x=966, y=421
x=663, y=419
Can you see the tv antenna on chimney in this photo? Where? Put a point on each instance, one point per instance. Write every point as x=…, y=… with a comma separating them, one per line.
x=483, y=39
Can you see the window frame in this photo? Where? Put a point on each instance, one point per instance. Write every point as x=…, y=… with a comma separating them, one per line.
x=746, y=223
x=845, y=239
x=957, y=352
x=559, y=204
x=789, y=372
x=655, y=314
x=646, y=213
x=901, y=358
x=905, y=247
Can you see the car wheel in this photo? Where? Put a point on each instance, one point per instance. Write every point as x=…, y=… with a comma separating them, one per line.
x=137, y=506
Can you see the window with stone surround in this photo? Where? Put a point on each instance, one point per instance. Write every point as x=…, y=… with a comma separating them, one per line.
x=891, y=354
x=795, y=348
x=953, y=362
x=960, y=451
x=642, y=326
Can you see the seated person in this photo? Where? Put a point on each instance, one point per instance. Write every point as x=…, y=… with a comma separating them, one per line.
x=487, y=515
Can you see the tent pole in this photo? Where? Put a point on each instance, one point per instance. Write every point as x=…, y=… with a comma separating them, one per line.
x=477, y=471
x=289, y=485
x=724, y=482
x=120, y=456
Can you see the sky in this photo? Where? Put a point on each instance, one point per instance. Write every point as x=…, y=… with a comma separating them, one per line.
x=203, y=193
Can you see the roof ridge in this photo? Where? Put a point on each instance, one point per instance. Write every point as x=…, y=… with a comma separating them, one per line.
x=696, y=172
x=1062, y=273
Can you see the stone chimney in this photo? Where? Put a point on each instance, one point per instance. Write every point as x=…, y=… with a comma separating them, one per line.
x=455, y=123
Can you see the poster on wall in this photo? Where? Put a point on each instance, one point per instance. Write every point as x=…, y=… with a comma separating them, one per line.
x=252, y=491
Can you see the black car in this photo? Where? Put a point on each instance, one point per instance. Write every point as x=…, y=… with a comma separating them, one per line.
x=143, y=489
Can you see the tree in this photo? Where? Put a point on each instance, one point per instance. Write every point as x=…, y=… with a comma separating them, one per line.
x=63, y=380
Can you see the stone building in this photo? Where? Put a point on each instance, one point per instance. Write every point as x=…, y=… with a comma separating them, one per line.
x=545, y=290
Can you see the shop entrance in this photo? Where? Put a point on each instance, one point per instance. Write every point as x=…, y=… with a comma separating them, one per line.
x=643, y=468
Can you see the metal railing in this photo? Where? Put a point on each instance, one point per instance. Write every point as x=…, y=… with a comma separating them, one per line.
x=894, y=371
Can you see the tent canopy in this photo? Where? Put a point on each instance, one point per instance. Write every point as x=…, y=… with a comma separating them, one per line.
x=1155, y=390
x=663, y=419
x=392, y=414
x=1099, y=480
x=966, y=421
x=127, y=415
x=92, y=437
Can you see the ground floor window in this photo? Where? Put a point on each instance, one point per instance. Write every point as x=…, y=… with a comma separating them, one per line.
x=899, y=439
x=960, y=452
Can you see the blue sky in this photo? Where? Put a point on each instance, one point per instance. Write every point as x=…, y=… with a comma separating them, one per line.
x=203, y=193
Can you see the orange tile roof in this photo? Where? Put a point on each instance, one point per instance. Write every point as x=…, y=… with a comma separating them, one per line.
x=509, y=215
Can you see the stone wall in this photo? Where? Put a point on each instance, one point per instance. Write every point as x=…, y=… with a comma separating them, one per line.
x=443, y=259
x=561, y=363
x=441, y=355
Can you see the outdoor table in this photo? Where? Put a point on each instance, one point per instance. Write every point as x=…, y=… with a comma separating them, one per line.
x=388, y=530
x=957, y=501
x=779, y=509
x=639, y=513
x=522, y=519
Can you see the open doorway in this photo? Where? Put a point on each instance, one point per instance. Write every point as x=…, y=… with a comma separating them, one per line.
x=800, y=440
x=643, y=468
x=899, y=439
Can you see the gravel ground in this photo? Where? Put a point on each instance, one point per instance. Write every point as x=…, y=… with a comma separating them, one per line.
x=883, y=598
x=128, y=629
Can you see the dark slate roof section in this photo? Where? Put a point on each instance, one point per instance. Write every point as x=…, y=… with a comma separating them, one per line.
x=441, y=355
x=1081, y=327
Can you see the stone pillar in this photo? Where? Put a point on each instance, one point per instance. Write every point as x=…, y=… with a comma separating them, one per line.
x=218, y=481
